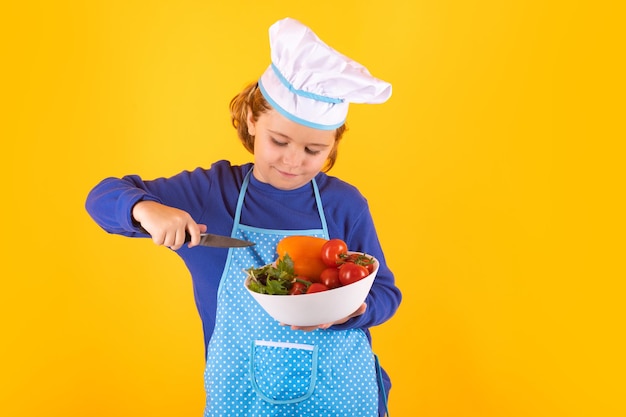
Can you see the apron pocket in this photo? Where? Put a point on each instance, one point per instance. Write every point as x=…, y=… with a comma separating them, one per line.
x=283, y=373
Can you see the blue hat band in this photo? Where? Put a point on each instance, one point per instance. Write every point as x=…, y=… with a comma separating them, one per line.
x=303, y=93
x=293, y=117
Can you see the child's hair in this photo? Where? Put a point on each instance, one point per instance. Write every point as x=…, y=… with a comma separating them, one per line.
x=251, y=98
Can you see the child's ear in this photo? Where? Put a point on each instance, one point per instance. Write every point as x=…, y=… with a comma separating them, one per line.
x=250, y=122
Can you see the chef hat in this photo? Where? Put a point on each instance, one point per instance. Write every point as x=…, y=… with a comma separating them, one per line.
x=312, y=84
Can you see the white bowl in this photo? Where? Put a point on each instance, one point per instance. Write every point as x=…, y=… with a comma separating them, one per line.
x=316, y=308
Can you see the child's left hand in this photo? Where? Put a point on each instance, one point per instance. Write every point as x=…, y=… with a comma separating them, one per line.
x=325, y=326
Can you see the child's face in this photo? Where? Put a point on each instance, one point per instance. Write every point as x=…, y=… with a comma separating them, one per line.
x=287, y=155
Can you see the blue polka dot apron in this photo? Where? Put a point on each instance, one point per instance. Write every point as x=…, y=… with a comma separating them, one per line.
x=255, y=367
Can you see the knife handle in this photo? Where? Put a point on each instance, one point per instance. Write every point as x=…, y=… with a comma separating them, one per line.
x=187, y=235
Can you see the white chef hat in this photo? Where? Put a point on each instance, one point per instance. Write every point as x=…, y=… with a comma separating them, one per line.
x=312, y=84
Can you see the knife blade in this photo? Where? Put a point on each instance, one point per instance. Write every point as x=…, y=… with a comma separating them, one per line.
x=215, y=241
x=219, y=241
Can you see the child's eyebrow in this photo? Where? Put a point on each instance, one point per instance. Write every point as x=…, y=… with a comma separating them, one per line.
x=273, y=132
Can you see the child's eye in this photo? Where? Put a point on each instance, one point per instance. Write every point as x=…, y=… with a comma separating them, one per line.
x=307, y=150
x=278, y=143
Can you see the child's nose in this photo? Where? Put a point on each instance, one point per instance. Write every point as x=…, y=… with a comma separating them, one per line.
x=292, y=157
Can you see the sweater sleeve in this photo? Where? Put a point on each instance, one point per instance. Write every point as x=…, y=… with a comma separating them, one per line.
x=110, y=203
x=349, y=218
x=384, y=297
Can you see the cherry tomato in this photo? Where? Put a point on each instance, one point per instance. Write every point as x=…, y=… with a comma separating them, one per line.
x=330, y=277
x=360, y=259
x=316, y=287
x=297, y=288
x=351, y=272
x=333, y=250
x=305, y=253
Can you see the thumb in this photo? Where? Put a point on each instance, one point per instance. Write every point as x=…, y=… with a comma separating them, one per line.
x=360, y=310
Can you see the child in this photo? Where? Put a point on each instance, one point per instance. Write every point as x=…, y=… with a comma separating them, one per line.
x=291, y=120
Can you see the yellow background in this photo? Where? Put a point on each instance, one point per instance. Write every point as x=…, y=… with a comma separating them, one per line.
x=492, y=175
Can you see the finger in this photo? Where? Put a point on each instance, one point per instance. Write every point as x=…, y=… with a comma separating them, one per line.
x=170, y=239
x=179, y=240
x=311, y=328
x=158, y=239
x=194, y=232
x=303, y=328
x=359, y=311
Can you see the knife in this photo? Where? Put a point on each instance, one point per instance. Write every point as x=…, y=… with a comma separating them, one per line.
x=215, y=241
x=219, y=241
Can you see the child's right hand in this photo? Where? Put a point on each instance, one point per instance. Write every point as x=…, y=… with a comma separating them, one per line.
x=167, y=225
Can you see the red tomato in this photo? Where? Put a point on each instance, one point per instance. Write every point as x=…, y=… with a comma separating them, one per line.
x=351, y=272
x=333, y=250
x=316, y=287
x=330, y=278
x=360, y=259
x=297, y=288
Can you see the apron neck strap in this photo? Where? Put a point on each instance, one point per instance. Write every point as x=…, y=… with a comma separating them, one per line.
x=242, y=193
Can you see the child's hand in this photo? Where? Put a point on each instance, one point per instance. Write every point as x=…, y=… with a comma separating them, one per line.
x=167, y=225
x=325, y=326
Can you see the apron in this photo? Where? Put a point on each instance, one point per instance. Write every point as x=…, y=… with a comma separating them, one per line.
x=255, y=367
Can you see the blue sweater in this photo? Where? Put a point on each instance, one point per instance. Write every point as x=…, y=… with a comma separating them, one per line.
x=210, y=197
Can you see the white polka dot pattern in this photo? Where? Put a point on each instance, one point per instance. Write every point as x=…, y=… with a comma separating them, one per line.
x=255, y=367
